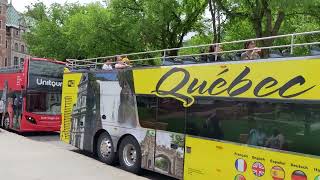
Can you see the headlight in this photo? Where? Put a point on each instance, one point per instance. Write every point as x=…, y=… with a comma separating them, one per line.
x=31, y=120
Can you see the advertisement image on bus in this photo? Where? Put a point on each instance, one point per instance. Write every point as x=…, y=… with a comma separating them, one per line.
x=229, y=120
x=32, y=95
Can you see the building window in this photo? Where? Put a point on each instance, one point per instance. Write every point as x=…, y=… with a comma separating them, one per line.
x=22, y=48
x=16, y=46
x=6, y=62
x=0, y=24
x=21, y=61
x=0, y=39
x=17, y=32
x=6, y=44
x=0, y=9
x=16, y=61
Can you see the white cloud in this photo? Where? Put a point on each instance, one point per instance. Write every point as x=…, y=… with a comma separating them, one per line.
x=21, y=4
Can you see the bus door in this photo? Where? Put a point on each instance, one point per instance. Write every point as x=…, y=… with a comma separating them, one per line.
x=170, y=138
x=17, y=110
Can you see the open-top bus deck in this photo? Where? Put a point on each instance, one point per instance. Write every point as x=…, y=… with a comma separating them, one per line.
x=256, y=119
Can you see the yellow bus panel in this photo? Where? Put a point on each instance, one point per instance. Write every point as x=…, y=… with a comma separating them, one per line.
x=208, y=160
x=283, y=79
x=69, y=98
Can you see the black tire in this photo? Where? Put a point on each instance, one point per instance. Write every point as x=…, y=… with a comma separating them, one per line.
x=135, y=167
x=108, y=155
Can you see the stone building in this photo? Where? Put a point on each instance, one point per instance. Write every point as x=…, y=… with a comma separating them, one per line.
x=12, y=27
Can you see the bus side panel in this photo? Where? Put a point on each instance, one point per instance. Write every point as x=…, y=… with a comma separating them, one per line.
x=69, y=99
x=207, y=160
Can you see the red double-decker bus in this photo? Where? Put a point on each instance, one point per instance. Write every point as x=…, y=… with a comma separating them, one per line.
x=31, y=95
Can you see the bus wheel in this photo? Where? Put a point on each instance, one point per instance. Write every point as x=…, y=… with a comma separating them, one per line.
x=130, y=155
x=105, y=149
x=6, y=122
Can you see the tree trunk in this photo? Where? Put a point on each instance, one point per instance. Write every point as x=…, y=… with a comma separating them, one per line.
x=212, y=9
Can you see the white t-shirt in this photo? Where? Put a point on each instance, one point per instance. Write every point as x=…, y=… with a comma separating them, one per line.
x=107, y=67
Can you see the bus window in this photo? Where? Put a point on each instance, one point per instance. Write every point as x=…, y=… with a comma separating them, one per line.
x=147, y=109
x=282, y=126
x=171, y=114
x=44, y=103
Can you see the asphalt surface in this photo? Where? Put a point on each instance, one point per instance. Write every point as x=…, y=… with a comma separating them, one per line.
x=23, y=158
x=53, y=139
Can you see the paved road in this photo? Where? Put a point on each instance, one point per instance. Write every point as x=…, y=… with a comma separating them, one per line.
x=22, y=158
x=53, y=139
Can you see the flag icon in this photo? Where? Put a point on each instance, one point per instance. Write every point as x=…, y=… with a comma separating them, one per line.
x=241, y=165
x=239, y=177
x=258, y=169
x=317, y=177
x=298, y=175
x=277, y=173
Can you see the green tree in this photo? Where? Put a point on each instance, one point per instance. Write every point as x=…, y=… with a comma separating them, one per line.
x=161, y=25
x=265, y=16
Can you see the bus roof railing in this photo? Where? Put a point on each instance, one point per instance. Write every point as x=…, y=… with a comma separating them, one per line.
x=163, y=54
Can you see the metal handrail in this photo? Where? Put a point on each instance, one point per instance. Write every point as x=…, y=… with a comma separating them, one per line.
x=74, y=63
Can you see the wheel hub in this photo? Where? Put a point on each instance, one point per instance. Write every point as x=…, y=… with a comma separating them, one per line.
x=106, y=147
x=129, y=155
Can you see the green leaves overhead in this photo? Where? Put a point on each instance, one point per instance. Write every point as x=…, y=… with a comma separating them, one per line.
x=125, y=26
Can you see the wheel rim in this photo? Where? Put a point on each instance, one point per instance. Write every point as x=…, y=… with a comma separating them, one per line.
x=106, y=147
x=6, y=122
x=129, y=155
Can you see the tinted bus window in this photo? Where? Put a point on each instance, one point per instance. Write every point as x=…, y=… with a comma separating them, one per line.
x=284, y=126
x=171, y=115
x=44, y=103
x=165, y=114
x=147, y=109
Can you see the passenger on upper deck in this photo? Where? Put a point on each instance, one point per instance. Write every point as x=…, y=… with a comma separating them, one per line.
x=126, y=60
x=107, y=65
x=215, y=50
x=252, y=52
x=120, y=64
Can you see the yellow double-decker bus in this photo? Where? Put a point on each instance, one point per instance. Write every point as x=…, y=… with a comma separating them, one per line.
x=250, y=119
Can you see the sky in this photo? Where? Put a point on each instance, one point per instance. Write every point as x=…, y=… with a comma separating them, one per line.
x=21, y=4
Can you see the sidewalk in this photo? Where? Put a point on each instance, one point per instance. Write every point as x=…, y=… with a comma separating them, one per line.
x=21, y=158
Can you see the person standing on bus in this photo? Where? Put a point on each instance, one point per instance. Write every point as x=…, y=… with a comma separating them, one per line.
x=252, y=52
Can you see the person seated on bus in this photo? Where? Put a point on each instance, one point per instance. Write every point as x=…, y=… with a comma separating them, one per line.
x=126, y=60
x=252, y=52
x=215, y=54
x=276, y=141
x=120, y=64
x=107, y=65
x=213, y=126
x=257, y=137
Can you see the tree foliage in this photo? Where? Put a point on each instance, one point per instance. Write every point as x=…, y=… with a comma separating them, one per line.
x=125, y=26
